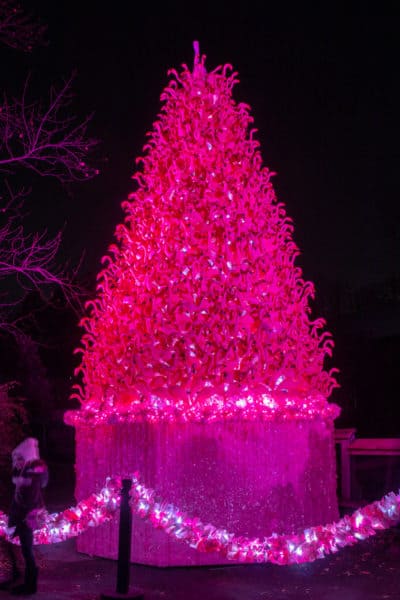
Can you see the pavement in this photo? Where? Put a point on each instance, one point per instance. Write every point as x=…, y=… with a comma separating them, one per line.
x=370, y=570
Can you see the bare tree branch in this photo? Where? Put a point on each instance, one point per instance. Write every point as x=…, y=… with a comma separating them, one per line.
x=29, y=262
x=48, y=141
x=45, y=138
x=18, y=29
x=41, y=137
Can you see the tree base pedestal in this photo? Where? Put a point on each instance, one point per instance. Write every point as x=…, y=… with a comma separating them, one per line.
x=250, y=478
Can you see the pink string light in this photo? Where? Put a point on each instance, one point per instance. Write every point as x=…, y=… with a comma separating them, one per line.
x=311, y=544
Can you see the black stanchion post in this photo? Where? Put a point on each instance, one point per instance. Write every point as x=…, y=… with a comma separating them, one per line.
x=124, y=540
x=124, y=549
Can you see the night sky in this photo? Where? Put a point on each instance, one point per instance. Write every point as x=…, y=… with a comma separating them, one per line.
x=322, y=87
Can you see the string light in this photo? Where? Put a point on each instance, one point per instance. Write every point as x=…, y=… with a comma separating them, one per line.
x=268, y=407
x=311, y=544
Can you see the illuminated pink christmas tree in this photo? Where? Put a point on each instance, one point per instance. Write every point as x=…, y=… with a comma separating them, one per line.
x=201, y=311
x=199, y=354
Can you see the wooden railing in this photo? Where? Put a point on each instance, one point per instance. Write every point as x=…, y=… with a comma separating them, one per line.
x=349, y=446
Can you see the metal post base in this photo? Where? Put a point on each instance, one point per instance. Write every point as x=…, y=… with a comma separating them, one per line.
x=130, y=595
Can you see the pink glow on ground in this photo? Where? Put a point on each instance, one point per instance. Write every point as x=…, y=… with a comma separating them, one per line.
x=201, y=312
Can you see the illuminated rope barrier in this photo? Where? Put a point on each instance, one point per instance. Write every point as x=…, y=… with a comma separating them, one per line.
x=58, y=527
x=312, y=543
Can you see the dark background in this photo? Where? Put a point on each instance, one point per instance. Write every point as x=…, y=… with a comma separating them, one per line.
x=322, y=86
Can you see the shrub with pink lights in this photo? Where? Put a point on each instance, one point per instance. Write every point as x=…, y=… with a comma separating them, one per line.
x=201, y=312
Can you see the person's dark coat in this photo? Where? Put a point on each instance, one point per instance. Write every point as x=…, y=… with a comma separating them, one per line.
x=29, y=482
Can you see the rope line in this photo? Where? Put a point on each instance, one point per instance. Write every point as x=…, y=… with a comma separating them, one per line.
x=310, y=544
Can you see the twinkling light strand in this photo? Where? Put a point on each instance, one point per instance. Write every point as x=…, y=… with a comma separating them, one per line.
x=307, y=546
x=58, y=527
x=272, y=406
x=311, y=544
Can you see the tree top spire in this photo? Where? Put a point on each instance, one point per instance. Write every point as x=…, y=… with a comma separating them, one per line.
x=198, y=63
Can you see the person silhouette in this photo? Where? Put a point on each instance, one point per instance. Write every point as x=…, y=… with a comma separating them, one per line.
x=29, y=476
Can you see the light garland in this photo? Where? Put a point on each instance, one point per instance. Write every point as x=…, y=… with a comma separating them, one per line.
x=272, y=406
x=307, y=546
x=95, y=510
x=312, y=543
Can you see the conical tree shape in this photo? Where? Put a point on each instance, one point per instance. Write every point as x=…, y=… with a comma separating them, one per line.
x=201, y=312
